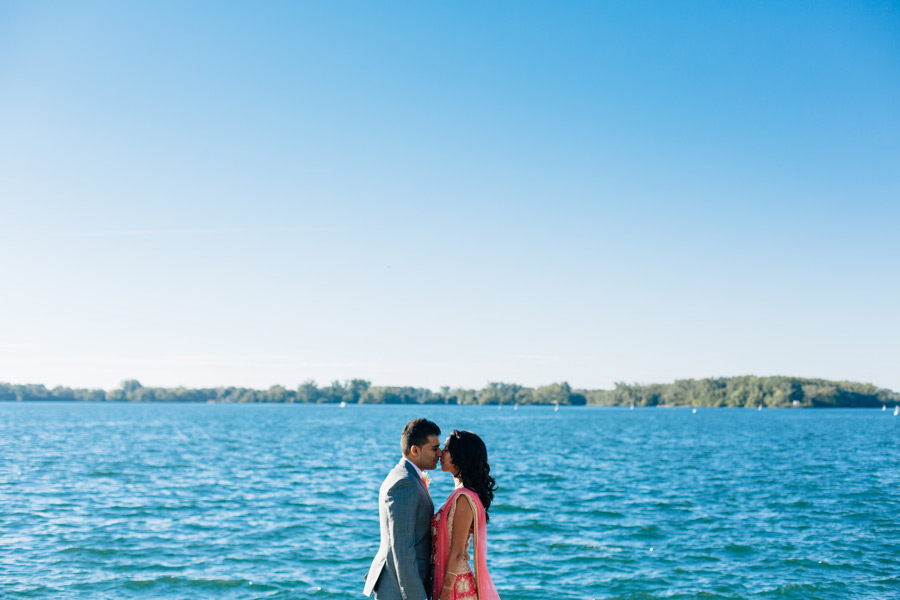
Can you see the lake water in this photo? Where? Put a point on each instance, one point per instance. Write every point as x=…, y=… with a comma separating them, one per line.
x=280, y=501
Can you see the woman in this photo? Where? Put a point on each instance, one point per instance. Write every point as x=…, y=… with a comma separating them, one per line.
x=463, y=517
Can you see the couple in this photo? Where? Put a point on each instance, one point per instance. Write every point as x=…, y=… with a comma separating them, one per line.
x=413, y=540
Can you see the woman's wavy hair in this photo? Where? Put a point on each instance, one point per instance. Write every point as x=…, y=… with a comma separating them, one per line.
x=469, y=455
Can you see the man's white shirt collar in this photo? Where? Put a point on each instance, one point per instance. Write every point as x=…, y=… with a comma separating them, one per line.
x=418, y=470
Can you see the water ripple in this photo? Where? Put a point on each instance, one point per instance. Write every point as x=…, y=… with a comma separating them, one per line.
x=231, y=502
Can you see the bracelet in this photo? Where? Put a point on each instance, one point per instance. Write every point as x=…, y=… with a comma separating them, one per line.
x=452, y=573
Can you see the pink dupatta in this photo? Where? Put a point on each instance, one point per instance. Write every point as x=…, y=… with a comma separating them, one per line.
x=486, y=589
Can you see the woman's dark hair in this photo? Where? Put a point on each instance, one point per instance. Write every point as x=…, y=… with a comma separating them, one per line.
x=469, y=456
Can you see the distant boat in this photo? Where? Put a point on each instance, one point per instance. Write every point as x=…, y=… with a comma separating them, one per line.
x=516, y=407
x=759, y=407
x=632, y=406
x=556, y=407
x=883, y=408
x=694, y=411
x=896, y=410
x=343, y=404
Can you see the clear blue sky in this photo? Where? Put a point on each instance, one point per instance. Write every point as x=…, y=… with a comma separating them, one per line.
x=448, y=193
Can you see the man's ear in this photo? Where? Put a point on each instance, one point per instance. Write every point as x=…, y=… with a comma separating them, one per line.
x=414, y=451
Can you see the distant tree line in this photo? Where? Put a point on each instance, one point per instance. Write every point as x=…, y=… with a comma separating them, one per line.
x=748, y=391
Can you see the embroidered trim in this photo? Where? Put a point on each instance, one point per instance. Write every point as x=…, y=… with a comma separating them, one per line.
x=475, y=541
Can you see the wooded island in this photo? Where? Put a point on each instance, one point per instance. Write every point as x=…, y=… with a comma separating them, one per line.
x=745, y=391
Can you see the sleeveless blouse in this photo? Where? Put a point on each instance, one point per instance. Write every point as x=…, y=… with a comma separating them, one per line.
x=476, y=584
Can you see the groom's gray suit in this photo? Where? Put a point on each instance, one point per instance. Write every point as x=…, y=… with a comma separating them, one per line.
x=400, y=570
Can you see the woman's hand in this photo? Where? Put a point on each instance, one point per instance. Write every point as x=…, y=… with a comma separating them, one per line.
x=446, y=592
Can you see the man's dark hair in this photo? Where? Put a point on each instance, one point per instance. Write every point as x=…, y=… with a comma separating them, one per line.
x=416, y=433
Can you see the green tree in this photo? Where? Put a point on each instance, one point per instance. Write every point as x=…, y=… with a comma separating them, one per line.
x=555, y=393
x=308, y=392
x=355, y=389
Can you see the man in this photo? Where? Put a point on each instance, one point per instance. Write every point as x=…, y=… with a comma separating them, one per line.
x=400, y=570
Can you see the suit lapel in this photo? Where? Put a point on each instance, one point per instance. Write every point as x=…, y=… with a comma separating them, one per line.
x=415, y=475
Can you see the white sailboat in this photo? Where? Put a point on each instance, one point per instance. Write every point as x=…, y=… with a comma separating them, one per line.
x=556, y=407
x=896, y=410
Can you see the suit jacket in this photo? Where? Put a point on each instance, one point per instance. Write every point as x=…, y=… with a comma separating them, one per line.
x=400, y=570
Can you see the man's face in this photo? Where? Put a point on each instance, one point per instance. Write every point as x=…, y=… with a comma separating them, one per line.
x=426, y=456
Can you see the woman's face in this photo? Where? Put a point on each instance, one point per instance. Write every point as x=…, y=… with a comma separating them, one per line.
x=447, y=460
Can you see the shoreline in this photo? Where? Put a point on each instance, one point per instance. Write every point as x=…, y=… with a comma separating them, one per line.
x=747, y=391
x=885, y=407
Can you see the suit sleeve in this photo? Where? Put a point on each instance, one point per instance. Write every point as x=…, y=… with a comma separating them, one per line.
x=401, y=507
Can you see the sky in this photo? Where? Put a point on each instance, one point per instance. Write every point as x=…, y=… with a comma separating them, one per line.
x=448, y=193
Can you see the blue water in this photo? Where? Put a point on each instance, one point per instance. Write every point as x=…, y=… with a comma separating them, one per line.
x=279, y=501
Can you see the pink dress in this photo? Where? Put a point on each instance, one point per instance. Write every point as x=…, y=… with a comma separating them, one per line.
x=469, y=585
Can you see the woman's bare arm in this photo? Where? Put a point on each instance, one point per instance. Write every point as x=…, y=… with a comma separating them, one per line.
x=462, y=524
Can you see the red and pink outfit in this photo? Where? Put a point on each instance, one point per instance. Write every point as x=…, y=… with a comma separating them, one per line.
x=469, y=585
